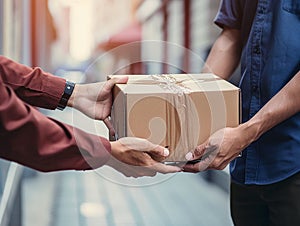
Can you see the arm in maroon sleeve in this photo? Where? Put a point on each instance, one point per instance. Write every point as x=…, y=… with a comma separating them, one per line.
x=33, y=86
x=30, y=138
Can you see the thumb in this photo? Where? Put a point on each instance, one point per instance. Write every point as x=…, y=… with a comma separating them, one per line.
x=197, y=153
x=116, y=80
x=159, y=152
x=110, y=127
x=140, y=144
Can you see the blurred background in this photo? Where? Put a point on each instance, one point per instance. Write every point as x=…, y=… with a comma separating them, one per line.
x=84, y=41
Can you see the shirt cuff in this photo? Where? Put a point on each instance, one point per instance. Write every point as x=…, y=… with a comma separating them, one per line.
x=54, y=88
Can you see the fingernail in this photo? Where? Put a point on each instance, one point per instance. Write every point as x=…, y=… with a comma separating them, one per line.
x=166, y=152
x=189, y=156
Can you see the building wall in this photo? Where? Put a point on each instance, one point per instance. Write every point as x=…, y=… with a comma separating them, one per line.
x=152, y=45
x=187, y=28
x=94, y=22
x=110, y=16
x=43, y=34
x=176, y=36
x=14, y=26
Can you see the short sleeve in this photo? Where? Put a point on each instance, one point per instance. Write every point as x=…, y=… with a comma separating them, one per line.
x=230, y=14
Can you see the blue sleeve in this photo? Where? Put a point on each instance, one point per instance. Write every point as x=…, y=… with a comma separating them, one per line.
x=230, y=14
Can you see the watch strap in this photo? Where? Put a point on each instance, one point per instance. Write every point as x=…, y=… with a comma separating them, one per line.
x=66, y=95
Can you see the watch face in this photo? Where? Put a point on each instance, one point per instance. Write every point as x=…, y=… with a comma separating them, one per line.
x=66, y=95
x=69, y=88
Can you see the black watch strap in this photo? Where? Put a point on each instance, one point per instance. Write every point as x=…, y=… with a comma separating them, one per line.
x=66, y=95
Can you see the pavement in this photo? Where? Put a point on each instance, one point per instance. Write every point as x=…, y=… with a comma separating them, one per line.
x=89, y=199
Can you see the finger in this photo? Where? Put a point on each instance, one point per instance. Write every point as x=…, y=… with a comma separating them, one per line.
x=143, y=145
x=146, y=172
x=132, y=171
x=204, y=164
x=197, y=153
x=162, y=168
x=116, y=80
x=109, y=126
x=194, y=168
x=137, y=174
x=138, y=171
x=190, y=169
x=220, y=165
x=159, y=153
x=223, y=166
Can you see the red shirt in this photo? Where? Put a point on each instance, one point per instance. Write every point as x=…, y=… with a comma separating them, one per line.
x=34, y=140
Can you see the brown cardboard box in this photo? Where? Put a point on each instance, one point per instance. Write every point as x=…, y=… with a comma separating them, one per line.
x=178, y=110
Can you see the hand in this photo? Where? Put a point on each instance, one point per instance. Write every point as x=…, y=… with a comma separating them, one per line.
x=220, y=149
x=95, y=99
x=136, y=157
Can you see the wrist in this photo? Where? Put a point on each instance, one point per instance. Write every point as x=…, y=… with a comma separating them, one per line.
x=113, y=147
x=71, y=101
x=68, y=92
x=251, y=130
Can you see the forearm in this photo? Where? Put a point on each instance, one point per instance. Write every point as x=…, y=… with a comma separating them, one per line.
x=30, y=138
x=34, y=86
x=225, y=54
x=283, y=105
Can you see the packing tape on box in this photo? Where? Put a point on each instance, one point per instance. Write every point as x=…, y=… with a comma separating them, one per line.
x=169, y=82
x=184, y=107
x=179, y=107
x=186, y=129
x=202, y=106
x=172, y=83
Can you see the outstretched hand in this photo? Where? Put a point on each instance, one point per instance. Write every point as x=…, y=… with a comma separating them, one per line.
x=95, y=99
x=137, y=157
x=219, y=150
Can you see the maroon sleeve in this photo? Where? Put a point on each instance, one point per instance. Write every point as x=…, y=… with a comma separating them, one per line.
x=34, y=86
x=30, y=138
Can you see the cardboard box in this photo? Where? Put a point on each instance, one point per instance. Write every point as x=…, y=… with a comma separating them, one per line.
x=178, y=110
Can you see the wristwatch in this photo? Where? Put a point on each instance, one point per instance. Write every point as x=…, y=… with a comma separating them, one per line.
x=66, y=95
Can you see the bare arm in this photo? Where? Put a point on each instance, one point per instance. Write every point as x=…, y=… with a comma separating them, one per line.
x=225, y=54
x=283, y=105
x=229, y=141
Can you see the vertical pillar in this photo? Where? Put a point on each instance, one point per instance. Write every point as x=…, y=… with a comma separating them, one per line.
x=42, y=34
x=7, y=28
x=187, y=34
x=26, y=32
x=165, y=34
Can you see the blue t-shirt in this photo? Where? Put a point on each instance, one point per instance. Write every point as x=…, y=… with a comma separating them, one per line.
x=270, y=31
